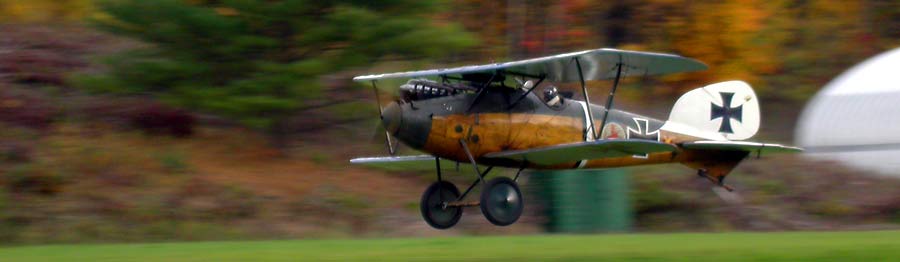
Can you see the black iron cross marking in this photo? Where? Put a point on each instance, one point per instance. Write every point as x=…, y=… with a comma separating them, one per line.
x=726, y=112
x=642, y=131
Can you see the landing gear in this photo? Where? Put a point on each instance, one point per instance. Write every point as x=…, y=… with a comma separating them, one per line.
x=501, y=201
x=434, y=206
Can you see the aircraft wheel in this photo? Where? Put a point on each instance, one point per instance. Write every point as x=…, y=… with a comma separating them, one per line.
x=434, y=211
x=501, y=201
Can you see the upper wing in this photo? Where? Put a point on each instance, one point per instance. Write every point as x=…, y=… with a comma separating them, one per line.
x=597, y=64
x=558, y=154
x=741, y=146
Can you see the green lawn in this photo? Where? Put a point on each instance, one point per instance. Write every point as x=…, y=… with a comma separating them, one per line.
x=804, y=246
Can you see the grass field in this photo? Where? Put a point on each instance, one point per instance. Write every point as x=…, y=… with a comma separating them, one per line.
x=801, y=246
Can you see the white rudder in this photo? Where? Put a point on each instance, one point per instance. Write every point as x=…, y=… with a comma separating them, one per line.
x=721, y=111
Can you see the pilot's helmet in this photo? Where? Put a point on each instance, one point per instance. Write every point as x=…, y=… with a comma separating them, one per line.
x=550, y=93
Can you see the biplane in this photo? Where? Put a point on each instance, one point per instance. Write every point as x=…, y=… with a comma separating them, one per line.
x=491, y=116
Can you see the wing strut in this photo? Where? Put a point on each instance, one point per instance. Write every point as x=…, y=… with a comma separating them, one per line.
x=609, y=100
x=586, y=99
x=536, y=84
x=387, y=134
x=481, y=92
x=612, y=94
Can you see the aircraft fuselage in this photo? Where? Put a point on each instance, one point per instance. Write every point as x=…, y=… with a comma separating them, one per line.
x=495, y=124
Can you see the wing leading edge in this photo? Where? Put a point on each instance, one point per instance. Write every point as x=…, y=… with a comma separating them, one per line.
x=596, y=64
x=741, y=146
x=390, y=159
x=418, y=162
x=584, y=151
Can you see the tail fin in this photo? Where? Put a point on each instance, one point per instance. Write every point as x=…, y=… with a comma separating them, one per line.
x=721, y=111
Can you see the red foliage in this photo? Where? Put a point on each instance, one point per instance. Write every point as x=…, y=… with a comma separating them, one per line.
x=159, y=119
x=146, y=115
x=37, y=66
x=39, y=55
x=16, y=151
x=30, y=112
x=35, y=179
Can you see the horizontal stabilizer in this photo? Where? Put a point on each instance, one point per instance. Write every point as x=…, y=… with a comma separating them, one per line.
x=574, y=152
x=741, y=146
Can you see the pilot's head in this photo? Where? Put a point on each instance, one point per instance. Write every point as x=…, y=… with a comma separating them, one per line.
x=550, y=93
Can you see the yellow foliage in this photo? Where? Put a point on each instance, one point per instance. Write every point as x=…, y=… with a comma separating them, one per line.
x=30, y=11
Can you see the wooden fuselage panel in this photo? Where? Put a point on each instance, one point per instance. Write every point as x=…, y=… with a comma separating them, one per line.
x=491, y=126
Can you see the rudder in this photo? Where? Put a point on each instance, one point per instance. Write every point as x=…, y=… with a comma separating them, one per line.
x=720, y=111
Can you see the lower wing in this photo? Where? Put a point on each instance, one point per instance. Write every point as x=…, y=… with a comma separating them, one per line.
x=391, y=159
x=404, y=163
x=550, y=155
x=565, y=153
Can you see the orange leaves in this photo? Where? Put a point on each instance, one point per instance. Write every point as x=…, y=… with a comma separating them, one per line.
x=45, y=10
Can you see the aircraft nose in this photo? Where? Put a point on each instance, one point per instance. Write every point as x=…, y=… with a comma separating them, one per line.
x=391, y=117
x=408, y=124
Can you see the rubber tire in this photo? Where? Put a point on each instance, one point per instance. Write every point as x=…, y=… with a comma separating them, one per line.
x=430, y=207
x=491, y=203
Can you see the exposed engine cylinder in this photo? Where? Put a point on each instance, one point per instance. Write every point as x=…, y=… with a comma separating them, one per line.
x=421, y=89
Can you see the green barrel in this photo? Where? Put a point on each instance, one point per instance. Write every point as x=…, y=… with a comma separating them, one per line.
x=583, y=201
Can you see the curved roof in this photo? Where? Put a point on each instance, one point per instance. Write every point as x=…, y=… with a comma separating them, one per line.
x=854, y=118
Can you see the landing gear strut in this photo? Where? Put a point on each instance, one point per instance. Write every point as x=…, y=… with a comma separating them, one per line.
x=501, y=200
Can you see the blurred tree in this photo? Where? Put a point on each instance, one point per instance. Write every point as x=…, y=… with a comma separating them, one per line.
x=728, y=35
x=258, y=61
x=487, y=19
x=883, y=17
x=818, y=40
x=785, y=48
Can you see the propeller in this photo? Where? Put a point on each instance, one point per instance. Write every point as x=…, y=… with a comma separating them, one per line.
x=378, y=133
x=379, y=128
x=381, y=134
